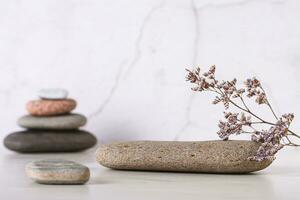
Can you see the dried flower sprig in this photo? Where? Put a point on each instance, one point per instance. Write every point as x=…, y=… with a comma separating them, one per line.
x=272, y=140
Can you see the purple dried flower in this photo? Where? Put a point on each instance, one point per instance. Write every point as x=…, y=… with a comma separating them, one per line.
x=266, y=152
x=287, y=118
x=204, y=82
x=252, y=83
x=254, y=88
x=192, y=75
x=228, y=94
x=233, y=125
x=261, y=98
x=271, y=139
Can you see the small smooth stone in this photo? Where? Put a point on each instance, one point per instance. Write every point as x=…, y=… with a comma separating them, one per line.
x=61, y=172
x=50, y=107
x=206, y=156
x=53, y=93
x=34, y=141
x=60, y=122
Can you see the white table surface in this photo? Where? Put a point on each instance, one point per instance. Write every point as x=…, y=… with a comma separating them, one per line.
x=280, y=181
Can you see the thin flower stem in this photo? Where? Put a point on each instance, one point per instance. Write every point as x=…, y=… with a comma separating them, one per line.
x=244, y=109
x=257, y=122
x=262, y=121
x=241, y=98
x=273, y=139
x=294, y=134
x=254, y=130
x=248, y=111
x=272, y=110
x=244, y=102
x=292, y=144
x=268, y=103
x=288, y=139
x=247, y=132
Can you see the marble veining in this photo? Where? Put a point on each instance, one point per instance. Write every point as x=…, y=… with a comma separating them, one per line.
x=138, y=51
x=125, y=60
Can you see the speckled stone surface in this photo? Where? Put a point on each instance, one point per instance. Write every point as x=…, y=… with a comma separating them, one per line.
x=38, y=141
x=206, y=156
x=61, y=122
x=53, y=93
x=50, y=107
x=57, y=172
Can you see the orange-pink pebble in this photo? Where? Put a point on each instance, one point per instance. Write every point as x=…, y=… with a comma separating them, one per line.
x=50, y=107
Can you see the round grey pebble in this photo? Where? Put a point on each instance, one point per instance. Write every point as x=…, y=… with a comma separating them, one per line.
x=59, y=122
x=57, y=172
x=39, y=141
x=53, y=93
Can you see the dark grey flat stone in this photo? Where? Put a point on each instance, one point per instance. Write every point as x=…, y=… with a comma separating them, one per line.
x=60, y=122
x=31, y=141
x=57, y=172
x=205, y=156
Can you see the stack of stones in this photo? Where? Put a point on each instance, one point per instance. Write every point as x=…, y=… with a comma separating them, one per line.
x=50, y=126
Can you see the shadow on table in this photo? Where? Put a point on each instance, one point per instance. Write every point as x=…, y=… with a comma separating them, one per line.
x=255, y=185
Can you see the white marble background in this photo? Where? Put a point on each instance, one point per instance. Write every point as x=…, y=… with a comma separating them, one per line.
x=124, y=60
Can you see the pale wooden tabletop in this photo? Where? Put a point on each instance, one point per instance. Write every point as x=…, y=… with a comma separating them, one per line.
x=280, y=181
